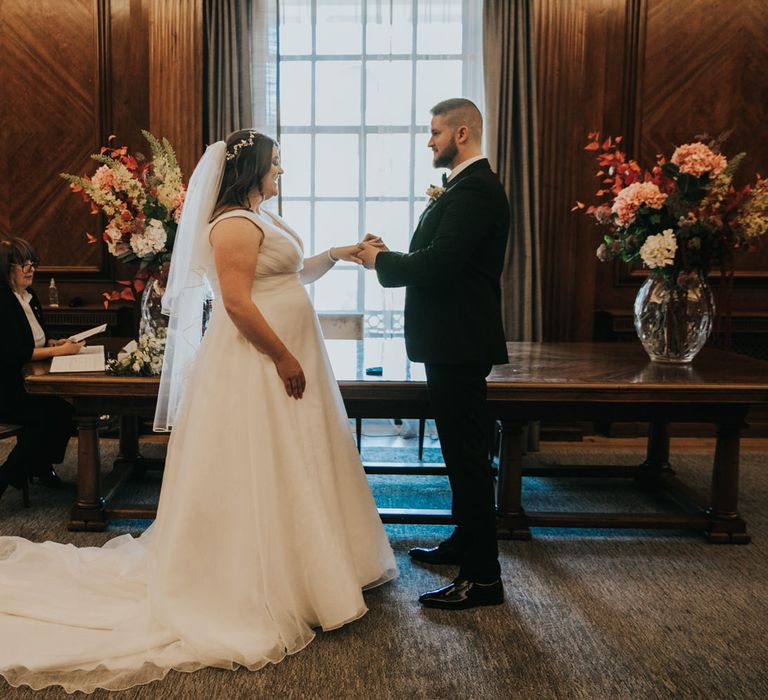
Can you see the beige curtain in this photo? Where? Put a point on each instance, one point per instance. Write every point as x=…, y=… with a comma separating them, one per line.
x=240, y=66
x=512, y=146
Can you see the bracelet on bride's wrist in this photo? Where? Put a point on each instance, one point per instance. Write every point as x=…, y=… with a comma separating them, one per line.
x=330, y=256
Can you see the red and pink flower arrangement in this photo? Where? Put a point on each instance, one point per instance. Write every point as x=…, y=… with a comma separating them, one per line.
x=683, y=214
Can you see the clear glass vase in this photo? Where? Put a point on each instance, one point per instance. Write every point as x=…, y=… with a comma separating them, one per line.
x=674, y=315
x=152, y=317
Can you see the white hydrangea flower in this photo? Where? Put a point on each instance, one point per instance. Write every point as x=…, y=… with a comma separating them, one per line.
x=659, y=250
x=151, y=241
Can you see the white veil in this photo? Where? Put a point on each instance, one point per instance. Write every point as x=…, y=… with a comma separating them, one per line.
x=187, y=284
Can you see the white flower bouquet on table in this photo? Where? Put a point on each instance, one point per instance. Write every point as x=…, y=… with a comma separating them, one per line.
x=145, y=360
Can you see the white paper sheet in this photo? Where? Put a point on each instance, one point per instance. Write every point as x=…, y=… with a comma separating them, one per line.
x=87, y=334
x=89, y=359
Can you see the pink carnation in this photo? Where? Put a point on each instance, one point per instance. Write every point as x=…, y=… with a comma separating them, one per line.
x=104, y=178
x=631, y=198
x=697, y=159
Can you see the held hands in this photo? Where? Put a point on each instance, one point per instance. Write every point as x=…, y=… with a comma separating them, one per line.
x=367, y=252
x=368, y=249
x=349, y=253
x=289, y=370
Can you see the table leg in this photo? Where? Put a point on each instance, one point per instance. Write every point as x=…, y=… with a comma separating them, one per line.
x=512, y=521
x=657, y=456
x=725, y=524
x=88, y=511
x=129, y=438
x=129, y=457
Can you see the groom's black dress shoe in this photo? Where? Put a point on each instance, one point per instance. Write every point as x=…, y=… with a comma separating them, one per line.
x=463, y=594
x=445, y=553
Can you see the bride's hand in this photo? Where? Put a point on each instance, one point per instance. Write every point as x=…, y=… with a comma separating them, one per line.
x=345, y=252
x=289, y=370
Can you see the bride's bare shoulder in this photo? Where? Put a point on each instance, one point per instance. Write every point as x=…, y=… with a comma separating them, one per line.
x=228, y=210
x=238, y=224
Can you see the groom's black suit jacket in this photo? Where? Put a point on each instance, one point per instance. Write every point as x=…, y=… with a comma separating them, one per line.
x=451, y=273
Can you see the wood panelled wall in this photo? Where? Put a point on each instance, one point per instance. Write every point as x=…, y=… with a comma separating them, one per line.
x=659, y=72
x=73, y=73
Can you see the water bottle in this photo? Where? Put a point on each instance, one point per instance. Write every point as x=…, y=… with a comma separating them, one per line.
x=53, y=293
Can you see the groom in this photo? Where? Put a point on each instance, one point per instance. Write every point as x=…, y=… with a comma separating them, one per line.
x=453, y=325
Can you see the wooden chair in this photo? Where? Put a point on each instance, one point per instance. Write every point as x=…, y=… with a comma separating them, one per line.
x=8, y=430
x=351, y=327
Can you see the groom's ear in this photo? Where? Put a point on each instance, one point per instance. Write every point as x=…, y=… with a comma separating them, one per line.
x=462, y=134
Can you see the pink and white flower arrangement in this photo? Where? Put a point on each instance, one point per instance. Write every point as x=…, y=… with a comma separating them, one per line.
x=142, y=201
x=682, y=215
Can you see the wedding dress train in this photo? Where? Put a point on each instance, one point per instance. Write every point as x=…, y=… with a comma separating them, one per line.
x=266, y=527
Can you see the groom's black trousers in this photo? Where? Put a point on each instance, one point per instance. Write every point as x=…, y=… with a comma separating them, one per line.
x=457, y=394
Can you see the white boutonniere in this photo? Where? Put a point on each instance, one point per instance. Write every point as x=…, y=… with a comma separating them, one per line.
x=434, y=193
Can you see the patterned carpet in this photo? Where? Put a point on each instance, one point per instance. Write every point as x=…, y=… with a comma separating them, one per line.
x=588, y=614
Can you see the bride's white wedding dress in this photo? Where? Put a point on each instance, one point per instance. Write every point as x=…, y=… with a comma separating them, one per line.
x=266, y=527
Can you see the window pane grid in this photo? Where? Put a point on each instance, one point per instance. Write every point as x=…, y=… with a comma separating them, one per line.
x=372, y=57
x=367, y=198
x=313, y=142
x=362, y=146
x=387, y=140
x=363, y=129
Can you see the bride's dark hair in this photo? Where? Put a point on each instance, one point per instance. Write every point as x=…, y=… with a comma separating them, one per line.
x=249, y=159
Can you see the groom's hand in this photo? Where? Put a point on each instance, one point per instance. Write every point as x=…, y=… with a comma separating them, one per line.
x=366, y=254
x=375, y=241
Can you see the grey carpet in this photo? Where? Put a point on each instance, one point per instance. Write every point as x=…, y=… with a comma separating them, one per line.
x=589, y=614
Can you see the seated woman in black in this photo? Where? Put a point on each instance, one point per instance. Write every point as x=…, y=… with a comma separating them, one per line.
x=47, y=420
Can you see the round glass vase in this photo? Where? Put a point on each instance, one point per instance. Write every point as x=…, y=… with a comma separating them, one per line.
x=152, y=317
x=673, y=315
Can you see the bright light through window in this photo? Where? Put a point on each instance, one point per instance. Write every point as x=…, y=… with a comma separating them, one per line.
x=357, y=80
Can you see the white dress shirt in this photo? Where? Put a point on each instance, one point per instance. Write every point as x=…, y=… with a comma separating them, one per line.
x=463, y=165
x=34, y=324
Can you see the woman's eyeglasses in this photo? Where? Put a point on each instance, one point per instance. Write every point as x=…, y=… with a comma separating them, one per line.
x=27, y=267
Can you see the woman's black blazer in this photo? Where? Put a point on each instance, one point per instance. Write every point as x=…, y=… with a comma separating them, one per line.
x=17, y=343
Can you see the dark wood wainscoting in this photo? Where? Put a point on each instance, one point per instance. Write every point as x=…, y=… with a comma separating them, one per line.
x=659, y=72
x=73, y=73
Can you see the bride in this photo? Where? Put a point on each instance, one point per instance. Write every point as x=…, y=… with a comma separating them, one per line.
x=266, y=527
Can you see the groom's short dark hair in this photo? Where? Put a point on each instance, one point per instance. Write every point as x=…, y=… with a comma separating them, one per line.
x=459, y=110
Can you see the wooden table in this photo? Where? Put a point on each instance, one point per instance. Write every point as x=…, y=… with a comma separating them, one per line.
x=614, y=382
x=547, y=381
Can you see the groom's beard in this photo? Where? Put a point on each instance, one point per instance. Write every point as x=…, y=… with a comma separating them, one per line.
x=447, y=157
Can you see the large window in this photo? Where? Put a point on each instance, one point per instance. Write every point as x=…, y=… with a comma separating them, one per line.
x=356, y=81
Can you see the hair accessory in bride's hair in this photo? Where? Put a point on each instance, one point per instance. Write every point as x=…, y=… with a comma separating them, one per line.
x=242, y=143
